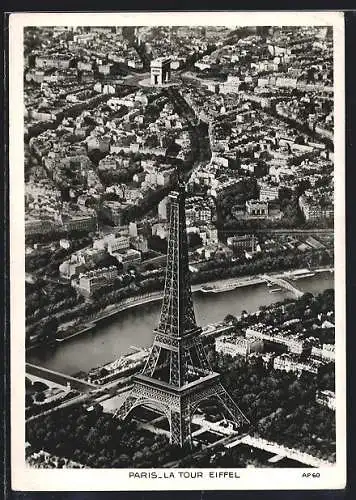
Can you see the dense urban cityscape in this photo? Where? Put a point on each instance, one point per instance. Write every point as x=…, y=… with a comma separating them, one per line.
x=179, y=229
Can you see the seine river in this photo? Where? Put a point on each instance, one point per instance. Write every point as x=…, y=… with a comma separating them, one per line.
x=133, y=327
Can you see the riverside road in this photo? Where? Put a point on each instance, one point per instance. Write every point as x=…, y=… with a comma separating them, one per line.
x=59, y=378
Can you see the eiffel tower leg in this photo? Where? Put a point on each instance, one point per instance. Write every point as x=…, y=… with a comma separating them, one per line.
x=180, y=427
x=126, y=407
x=204, y=363
x=152, y=361
x=231, y=406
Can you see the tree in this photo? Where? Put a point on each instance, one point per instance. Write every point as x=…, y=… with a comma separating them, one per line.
x=40, y=397
x=138, y=457
x=300, y=140
x=28, y=400
x=194, y=240
x=28, y=383
x=124, y=460
x=39, y=386
x=230, y=318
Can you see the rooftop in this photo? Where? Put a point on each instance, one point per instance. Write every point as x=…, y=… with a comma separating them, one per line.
x=160, y=60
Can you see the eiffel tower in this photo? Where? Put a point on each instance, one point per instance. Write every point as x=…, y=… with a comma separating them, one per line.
x=177, y=375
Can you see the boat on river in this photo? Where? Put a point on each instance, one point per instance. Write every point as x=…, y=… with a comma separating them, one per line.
x=219, y=289
x=232, y=285
x=300, y=273
x=303, y=275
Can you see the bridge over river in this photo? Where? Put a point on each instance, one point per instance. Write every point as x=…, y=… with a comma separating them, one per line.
x=283, y=283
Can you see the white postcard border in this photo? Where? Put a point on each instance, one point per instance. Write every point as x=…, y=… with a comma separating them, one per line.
x=26, y=479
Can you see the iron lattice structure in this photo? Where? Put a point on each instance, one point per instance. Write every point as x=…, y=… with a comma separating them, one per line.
x=177, y=376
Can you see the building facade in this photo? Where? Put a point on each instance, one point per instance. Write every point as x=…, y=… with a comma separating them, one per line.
x=93, y=280
x=238, y=346
x=312, y=210
x=113, y=212
x=245, y=242
x=81, y=223
x=38, y=226
x=289, y=363
x=267, y=334
x=268, y=192
x=129, y=257
x=118, y=244
x=326, y=398
x=257, y=208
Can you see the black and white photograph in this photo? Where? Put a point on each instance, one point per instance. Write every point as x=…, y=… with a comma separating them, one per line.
x=177, y=241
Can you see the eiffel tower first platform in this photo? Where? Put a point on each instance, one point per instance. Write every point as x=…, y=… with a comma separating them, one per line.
x=177, y=376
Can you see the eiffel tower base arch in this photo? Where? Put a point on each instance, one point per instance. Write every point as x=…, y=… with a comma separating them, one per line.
x=179, y=404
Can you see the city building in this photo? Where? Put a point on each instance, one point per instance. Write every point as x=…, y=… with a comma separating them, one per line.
x=198, y=209
x=231, y=86
x=165, y=176
x=53, y=61
x=327, y=352
x=212, y=234
x=326, y=398
x=163, y=209
x=139, y=243
x=113, y=212
x=73, y=266
x=268, y=192
x=64, y=243
x=119, y=244
x=314, y=210
x=160, y=70
x=38, y=226
x=128, y=258
x=133, y=232
x=85, y=222
x=238, y=346
x=274, y=336
x=292, y=363
x=93, y=280
x=257, y=208
x=244, y=242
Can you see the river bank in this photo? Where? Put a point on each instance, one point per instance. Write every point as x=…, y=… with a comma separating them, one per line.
x=217, y=286
x=115, y=333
